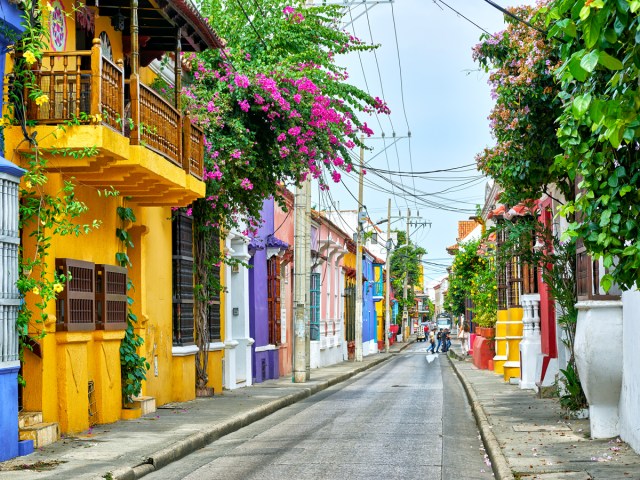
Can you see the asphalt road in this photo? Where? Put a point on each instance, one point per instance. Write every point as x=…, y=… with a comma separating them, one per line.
x=407, y=419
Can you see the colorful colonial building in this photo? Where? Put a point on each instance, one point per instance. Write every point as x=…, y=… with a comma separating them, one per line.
x=97, y=78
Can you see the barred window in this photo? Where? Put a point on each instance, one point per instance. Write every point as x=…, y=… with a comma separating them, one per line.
x=314, y=320
x=182, y=275
x=350, y=312
x=273, y=299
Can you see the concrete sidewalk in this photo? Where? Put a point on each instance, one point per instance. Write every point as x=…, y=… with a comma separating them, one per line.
x=134, y=448
x=532, y=438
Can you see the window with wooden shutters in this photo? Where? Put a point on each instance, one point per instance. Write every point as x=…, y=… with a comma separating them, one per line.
x=213, y=314
x=314, y=320
x=182, y=262
x=75, y=305
x=350, y=312
x=273, y=299
x=501, y=271
x=111, y=297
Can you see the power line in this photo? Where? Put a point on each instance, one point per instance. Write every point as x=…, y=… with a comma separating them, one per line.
x=364, y=75
x=515, y=17
x=461, y=15
x=252, y=25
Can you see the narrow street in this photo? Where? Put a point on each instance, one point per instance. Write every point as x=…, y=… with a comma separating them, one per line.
x=406, y=419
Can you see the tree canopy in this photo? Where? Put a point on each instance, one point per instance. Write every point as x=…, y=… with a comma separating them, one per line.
x=521, y=62
x=275, y=105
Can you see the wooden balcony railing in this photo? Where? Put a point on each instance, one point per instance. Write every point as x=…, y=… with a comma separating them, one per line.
x=157, y=124
x=112, y=94
x=193, y=151
x=83, y=86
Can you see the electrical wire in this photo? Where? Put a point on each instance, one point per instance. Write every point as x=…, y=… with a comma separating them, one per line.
x=404, y=108
x=251, y=23
x=461, y=15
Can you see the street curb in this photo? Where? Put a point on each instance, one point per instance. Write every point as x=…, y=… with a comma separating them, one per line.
x=499, y=463
x=196, y=441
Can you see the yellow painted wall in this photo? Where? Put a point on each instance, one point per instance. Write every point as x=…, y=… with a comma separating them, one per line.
x=103, y=24
x=57, y=383
x=216, y=358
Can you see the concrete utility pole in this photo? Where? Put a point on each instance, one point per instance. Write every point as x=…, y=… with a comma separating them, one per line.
x=307, y=276
x=387, y=287
x=358, y=322
x=405, y=312
x=299, y=330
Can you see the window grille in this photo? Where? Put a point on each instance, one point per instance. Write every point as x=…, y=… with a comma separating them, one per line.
x=350, y=312
x=111, y=297
x=75, y=306
x=273, y=299
x=213, y=314
x=182, y=276
x=501, y=272
x=314, y=314
x=514, y=282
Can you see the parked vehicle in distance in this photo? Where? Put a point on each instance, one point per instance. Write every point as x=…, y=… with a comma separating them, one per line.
x=422, y=332
x=444, y=320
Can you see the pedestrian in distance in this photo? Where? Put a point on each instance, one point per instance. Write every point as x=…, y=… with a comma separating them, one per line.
x=439, y=338
x=464, y=338
x=432, y=342
x=446, y=340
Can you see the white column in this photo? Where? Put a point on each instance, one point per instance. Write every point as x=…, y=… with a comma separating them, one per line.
x=531, y=344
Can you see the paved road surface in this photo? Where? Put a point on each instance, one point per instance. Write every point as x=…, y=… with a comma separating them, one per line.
x=407, y=419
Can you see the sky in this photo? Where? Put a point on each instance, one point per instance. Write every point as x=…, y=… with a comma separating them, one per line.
x=446, y=104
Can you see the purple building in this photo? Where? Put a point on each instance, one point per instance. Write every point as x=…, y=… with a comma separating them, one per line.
x=264, y=296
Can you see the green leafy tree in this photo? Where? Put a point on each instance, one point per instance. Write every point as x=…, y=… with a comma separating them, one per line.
x=520, y=62
x=473, y=276
x=406, y=263
x=276, y=109
x=599, y=128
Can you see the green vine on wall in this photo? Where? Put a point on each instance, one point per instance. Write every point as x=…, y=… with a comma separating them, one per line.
x=133, y=366
x=44, y=215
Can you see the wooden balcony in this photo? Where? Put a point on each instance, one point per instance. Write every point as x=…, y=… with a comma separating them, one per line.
x=157, y=160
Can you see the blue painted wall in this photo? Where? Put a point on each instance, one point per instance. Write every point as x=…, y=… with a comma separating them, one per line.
x=368, y=305
x=8, y=413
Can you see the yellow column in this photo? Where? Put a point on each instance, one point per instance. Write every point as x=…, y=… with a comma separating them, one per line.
x=501, y=342
x=514, y=336
x=214, y=370
x=73, y=380
x=107, y=381
x=183, y=375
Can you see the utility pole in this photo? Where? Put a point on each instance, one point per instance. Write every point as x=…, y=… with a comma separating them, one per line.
x=387, y=287
x=358, y=324
x=299, y=328
x=307, y=276
x=405, y=312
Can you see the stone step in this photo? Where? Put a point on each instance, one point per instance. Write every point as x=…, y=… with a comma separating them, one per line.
x=145, y=404
x=26, y=419
x=41, y=433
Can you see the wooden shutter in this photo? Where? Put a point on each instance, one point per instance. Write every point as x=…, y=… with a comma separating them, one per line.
x=111, y=297
x=273, y=299
x=213, y=315
x=75, y=306
x=182, y=296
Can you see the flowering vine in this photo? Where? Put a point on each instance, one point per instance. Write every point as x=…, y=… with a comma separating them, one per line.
x=521, y=63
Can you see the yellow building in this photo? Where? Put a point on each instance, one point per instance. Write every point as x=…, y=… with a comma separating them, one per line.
x=96, y=75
